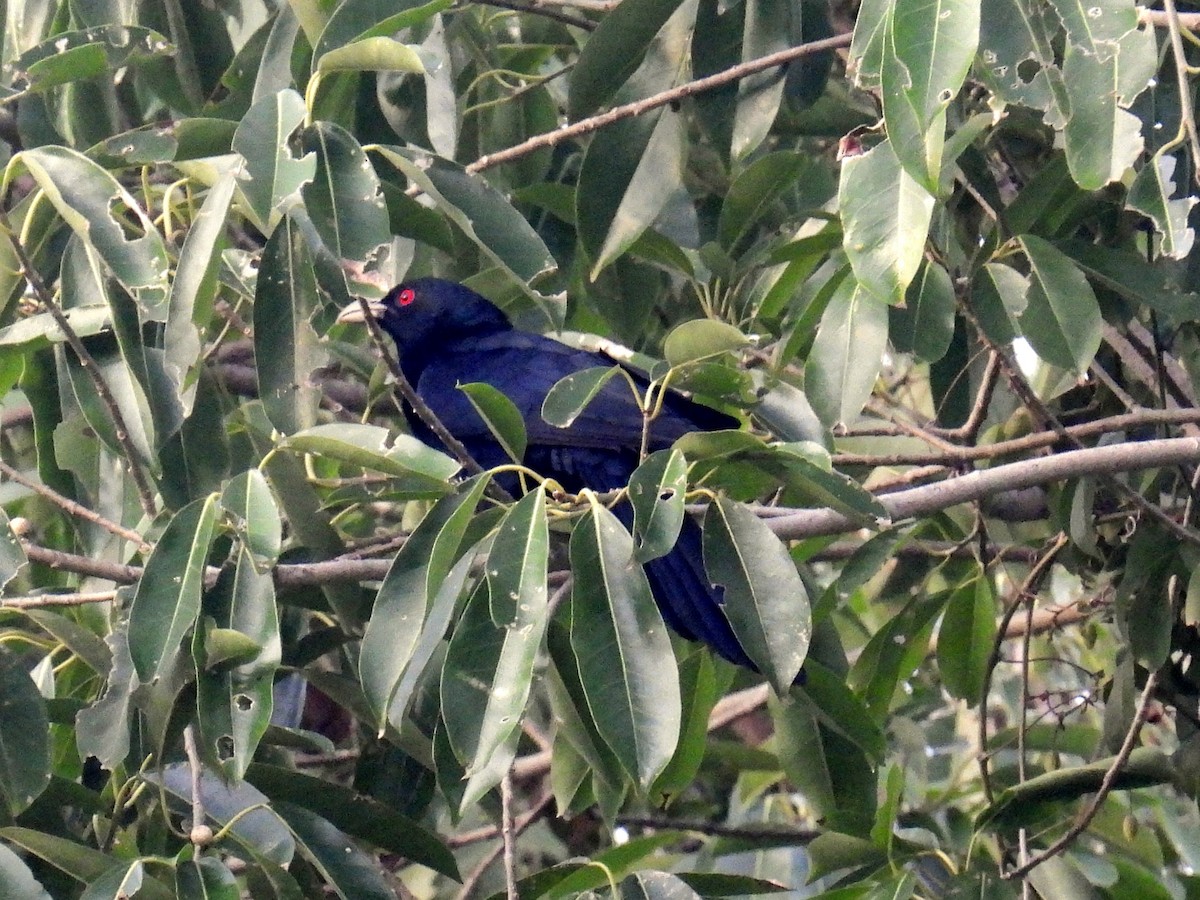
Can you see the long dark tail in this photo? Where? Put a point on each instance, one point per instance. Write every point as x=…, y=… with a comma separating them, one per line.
x=689, y=603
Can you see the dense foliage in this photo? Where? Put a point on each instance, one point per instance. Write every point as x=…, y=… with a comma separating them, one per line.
x=259, y=641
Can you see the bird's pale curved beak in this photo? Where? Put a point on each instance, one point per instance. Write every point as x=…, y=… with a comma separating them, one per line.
x=353, y=312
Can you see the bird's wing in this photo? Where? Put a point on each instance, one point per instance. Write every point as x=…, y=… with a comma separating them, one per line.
x=524, y=367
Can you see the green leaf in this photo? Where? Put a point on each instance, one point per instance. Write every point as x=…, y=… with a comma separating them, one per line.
x=765, y=600
x=613, y=53
x=36, y=331
x=286, y=347
x=806, y=475
x=77, y=860
x=271, y=177
x=767, y=29
x=753, y=192
x=481, y=211
x=626, y=666
x=373, y=54
x=408, y=592
x=927, y=50
x=372, y=447
x=571, y=395
x=1151, y=196
x=1102, y=138
x=629, y=172
x=167, y=600
x=234, y=703
x=698, y=339
x=489, y=669
x=353, y=874
x=518, y=560
x=357, y=20
x=501, y=416
x=16, y=881
x=24, y=738
x=1095, y=27
x=89, y=200
x=345, y=198
x=656, y=492
x=1017, y=57
x=75, y=55
x=205, y=878
x=965, y=639
x=1062, y=319
x=359, y=816
x=1129, y=274
x=846, y=354
x=893, y=653
x=932, y=308
x=998, y=297
x=885, y=217
x=102, y=729
x=193, y=290
x=247, y=498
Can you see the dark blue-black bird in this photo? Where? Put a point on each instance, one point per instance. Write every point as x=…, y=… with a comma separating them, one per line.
x=449, y=335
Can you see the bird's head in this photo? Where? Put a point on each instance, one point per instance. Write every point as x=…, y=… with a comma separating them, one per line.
x=426, y=313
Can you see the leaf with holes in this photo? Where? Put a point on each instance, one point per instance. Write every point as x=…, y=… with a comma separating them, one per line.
x=656, y=491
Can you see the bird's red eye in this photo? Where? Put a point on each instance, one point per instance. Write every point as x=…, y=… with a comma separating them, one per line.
x=407, y=296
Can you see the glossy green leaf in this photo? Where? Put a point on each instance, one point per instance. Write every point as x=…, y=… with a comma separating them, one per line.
x=16, y=881
x=767, y=29
x=932, y=306
x=571, y=394
x=359, y=816
x=373, y=54
x=480, y=210
x=408, y=592
x=753, y=192
x=372, y=447
x=613, y=53
x=271, y=175
x=518, y=560
x=500, y=415
x=248, y=499
x=997, y=297
x=24, y=738
x=234, y=702
x=894, y=652
x=656, y=492
x=90, y=200
x=87, y=53
x=629, y=172
x=194, y=289
x=846, y=354
x=205, y=878
x=102, y=729
x=352, y=873
x=765, y=600
x=698, y=339
x=1151, y=195
x=700, y=688
x=1017, y=59
x=41, y=328
x=77, y=860
x=286, y=347
x=626, y=666
x=927, y=50
x=1095, y=28
x=488, y=672
x=1103, y=139
x=345, y=198
x=167, y=600
x=356, y=20
x=243, y=809
x=1062, y=317
x=808, y=478
x=885, y=217
x=965, y=639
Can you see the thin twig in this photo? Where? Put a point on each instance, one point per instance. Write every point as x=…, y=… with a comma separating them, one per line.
x=72, y=508
x=535, y=812
x=1028, y=588
x=132, y=461
x=200, y=834
x=507, y=837
x=537, y=9
x=629, y=110
x=1106, y=786
x=42, y=601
